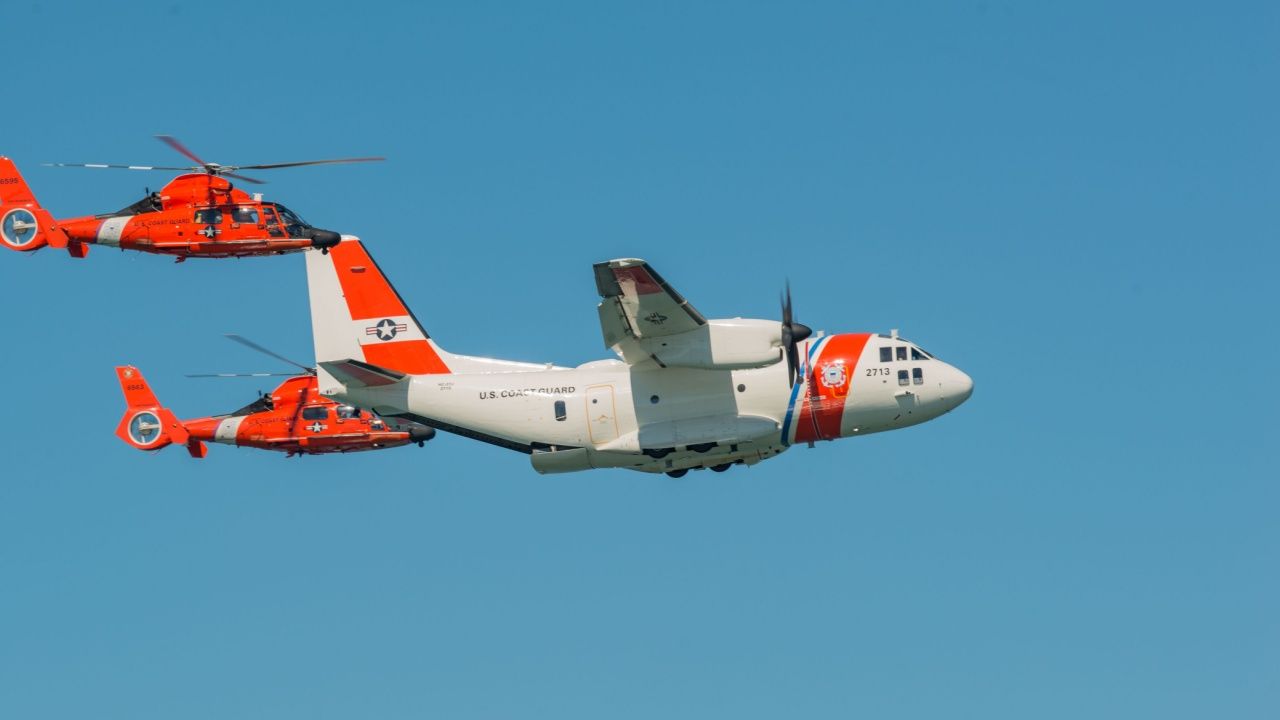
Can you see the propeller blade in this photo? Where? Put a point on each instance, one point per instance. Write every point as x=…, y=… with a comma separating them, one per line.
x=172, y=142
x=235, y=375
x=793, y=333
x=255, y=346
x=275, y=166
x=115, y=167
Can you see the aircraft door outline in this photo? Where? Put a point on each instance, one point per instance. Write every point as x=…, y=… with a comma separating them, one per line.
x=602, y=420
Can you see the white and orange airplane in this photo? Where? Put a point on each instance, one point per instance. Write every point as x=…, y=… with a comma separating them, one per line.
x=685, y=393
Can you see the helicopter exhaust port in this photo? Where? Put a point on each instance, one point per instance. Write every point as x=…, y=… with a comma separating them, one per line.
x=324, y=239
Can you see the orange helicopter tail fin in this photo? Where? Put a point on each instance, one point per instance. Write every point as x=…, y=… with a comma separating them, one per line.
x=146, y=425
x=24, y=225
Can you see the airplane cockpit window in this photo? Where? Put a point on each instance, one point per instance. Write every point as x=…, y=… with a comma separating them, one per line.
x=902, y=378
x=208, y=217
x=918, y=354
x=902, y=352
x=886, y=354
x=346, y=412
x=315, y=413
x=917, y=376
x=244, y=215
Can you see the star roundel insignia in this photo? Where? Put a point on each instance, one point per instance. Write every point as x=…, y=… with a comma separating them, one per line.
x=128, y=373
x=386, y=329
x=656, y=318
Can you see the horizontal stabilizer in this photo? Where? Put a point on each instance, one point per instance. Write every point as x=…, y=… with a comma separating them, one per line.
x=355, y=374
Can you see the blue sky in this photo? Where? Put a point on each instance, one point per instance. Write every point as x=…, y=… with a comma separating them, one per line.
x=1076, y=205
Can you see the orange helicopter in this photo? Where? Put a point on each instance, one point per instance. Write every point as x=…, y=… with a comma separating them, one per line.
x=198, y=214
x=294, y=418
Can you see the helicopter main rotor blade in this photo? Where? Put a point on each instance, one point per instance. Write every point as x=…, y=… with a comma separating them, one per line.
x=118, y=167
x=172, y=142
x=275, y=166
x=255, y=346
x=243, y=178
x=236, y=375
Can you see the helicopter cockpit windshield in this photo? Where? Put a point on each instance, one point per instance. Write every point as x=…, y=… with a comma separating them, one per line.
x=294, y=226
x=262, y=404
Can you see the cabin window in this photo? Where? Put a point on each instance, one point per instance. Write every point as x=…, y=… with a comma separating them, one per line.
x=902, y=378
x=902, y=352
x=917, y=376
x=244, y=215
x=346, y=412
x=208, y=217
x=561, y=413
x=886, y=354
x=315, y=413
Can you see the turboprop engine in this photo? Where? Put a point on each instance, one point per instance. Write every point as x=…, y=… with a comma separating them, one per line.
x=735, y=344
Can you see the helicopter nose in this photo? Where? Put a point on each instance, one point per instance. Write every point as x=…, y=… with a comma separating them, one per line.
x=324, y=239
x=420, y=434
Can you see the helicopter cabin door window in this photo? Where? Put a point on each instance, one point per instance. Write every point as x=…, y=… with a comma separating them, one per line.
x=244, y=216
x=315, y=413
x=273, y=222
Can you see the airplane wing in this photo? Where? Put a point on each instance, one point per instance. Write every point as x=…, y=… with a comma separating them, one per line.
x=638, y=304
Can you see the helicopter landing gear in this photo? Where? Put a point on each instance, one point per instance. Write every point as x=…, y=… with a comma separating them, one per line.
x=677, y=473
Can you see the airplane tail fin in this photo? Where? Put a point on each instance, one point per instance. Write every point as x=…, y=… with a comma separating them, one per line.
x=24, y=225
x=357, y=315
x=147, y=425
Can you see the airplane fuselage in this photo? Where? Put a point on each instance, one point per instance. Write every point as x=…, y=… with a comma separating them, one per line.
x=661, y=419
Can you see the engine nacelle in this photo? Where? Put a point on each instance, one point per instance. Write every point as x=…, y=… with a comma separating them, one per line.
x=735, y=344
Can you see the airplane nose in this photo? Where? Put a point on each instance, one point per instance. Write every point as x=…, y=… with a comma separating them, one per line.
x=965, y=386
x=959, y=387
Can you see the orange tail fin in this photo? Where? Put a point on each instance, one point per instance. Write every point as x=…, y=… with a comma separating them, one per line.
x=146, y=424
x=356, y=314
x=24, y=225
